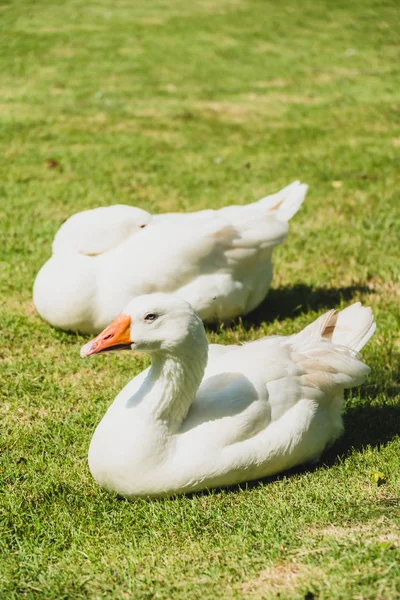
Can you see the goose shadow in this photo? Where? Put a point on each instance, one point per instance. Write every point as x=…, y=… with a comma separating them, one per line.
x=288, y=302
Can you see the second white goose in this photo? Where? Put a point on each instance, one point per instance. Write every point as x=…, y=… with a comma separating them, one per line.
x=208, y=416
x=219, y=261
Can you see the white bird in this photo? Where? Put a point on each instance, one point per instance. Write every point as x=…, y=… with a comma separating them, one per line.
x=208, y=416
x=219, y=261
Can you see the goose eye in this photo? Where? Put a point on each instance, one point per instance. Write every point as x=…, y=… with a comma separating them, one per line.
x=142, y=226
x=150, y=317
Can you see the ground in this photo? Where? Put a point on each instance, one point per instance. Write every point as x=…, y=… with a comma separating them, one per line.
x=178, y=106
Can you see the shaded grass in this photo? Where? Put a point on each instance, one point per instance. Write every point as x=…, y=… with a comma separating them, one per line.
x=133, y=103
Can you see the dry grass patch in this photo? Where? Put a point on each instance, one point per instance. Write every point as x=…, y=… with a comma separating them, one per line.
x=64, y=51
x=130, y=51
x=388, y=289
x=21, y=304
x=254, y=105
x=149, y=112
x=381, y=531
x=162, y=135
x=236, y=112
x=264, y=47
x=287, y=580
x=221, y=41
x=152, y=20
x=23, y=110
x=64, y=28
x=272, y=83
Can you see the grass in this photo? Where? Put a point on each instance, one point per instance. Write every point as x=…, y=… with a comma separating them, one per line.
x=133, y=102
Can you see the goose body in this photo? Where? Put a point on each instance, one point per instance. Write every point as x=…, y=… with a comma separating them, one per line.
x=209, y=416
x=219, y=261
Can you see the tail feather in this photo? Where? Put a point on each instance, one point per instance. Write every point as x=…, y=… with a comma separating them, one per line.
x=351, y=327
x=286, y=202
x=280, y=206
x=330, y=368
x=354, y=326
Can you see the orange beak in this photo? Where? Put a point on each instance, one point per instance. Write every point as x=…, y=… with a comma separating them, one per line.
x=117, y=336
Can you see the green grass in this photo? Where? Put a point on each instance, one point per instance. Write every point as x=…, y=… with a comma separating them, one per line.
x=134, y=101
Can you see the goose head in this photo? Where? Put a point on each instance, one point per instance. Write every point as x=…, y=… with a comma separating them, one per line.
x=153, y=324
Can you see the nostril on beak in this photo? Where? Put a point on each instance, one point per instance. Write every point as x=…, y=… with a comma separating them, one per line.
x=108, y=337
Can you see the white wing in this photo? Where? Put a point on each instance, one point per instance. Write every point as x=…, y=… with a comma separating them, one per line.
x=92, y=232
x=252, y=386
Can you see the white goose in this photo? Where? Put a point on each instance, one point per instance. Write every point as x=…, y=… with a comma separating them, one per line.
x=208, y=416
x=219, y=261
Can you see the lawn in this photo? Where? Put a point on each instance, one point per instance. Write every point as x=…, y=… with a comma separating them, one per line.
x=176, y=105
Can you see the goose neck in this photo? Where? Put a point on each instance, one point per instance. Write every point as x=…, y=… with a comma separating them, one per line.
x=173, y=381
